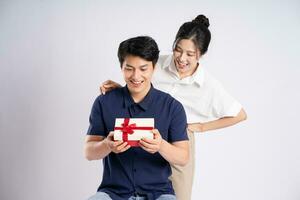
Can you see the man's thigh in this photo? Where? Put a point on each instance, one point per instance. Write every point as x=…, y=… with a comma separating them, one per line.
x=100, y=196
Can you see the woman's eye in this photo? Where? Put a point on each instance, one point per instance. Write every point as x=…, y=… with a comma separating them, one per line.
x=177, y=49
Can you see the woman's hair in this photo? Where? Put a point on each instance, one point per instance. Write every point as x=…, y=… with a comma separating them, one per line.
x=142, y=46
x=197, y=31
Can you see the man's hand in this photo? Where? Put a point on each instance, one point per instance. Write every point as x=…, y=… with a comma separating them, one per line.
x=108, y=86
x=116, y=146
x=152, y=145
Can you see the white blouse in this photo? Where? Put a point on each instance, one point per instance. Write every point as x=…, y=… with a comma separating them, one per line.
x=202, y=96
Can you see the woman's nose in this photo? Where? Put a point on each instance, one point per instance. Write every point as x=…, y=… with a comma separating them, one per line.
x=182, y=57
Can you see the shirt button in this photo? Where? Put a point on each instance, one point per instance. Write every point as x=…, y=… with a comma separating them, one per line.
x=134, y=170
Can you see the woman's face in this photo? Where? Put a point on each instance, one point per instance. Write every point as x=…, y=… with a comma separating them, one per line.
x=186, y=57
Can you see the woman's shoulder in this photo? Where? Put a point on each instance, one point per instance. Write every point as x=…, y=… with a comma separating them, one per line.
x=164, y=60
x=211, y=82
x=163, y=57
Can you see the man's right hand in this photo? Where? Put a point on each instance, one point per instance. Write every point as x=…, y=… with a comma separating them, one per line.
x=108, y=86
x=116, y=146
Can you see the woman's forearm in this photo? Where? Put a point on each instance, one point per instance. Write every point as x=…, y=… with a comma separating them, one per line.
x=218, y=124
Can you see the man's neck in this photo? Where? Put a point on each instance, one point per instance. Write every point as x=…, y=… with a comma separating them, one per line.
x=138, y=97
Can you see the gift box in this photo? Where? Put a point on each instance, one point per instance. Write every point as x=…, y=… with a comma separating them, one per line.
x=132, y=130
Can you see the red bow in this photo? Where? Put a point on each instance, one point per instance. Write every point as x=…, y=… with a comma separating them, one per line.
x=127, y=129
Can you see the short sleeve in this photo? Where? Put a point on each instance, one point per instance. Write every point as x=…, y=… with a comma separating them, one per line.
x=178, y=125
x=97, y=125
x=224, y=105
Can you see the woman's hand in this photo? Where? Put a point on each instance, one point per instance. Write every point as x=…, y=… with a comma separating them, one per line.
x=108, y=86
x=195, y=127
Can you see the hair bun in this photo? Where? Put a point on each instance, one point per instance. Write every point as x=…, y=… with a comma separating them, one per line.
x=202, y=20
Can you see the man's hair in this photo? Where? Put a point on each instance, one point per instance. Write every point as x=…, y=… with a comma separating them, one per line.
x=144, y=47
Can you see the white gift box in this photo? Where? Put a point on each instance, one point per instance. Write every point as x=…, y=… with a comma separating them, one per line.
x=133, y=129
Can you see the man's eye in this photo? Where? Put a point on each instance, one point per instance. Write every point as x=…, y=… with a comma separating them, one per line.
x=144, y=69
x=128, y=69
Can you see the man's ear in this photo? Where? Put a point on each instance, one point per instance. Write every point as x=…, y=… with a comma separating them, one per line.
x=198, y=54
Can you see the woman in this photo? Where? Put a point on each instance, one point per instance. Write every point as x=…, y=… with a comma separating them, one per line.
x=207, y=105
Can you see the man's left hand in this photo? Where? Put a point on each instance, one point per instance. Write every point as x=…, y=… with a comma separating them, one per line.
x=152, y=145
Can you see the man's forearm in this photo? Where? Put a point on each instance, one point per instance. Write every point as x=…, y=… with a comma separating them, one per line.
x=175, y=154
x=95, y=150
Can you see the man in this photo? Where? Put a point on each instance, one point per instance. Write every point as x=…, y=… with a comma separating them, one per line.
x=142, y=172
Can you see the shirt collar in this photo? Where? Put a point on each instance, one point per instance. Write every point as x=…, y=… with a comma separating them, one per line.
x=144, y=104
x=197, y=77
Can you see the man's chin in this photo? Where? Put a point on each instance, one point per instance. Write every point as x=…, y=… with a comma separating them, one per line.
x=134, y=90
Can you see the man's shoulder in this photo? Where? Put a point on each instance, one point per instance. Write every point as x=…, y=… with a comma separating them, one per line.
x=165, y=97
x=161, y=94
x=111, y=96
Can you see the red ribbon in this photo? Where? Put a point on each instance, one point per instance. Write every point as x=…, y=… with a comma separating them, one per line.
x=129, y=128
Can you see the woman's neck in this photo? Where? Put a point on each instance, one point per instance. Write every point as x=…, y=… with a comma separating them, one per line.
x=188, y=73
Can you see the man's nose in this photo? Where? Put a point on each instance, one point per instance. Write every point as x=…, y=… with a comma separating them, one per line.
x=136, y=74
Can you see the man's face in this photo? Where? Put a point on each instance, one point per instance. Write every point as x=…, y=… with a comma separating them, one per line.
x=137, y=74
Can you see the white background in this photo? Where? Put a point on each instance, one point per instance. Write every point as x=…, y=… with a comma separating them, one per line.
x=54, y=55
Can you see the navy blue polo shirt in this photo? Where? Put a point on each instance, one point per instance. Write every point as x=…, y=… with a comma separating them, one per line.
x=136, y=170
